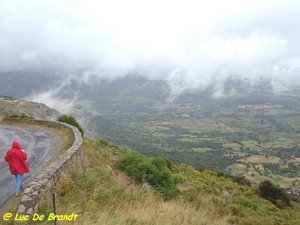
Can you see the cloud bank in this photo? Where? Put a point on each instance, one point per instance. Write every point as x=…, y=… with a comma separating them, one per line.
x=190, y=44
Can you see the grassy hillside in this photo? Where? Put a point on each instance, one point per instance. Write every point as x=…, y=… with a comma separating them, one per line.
x=10, y=107
x=103, y=194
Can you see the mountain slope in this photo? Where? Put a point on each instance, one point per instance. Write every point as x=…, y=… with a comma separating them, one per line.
x=10, y=106
x=105, y=195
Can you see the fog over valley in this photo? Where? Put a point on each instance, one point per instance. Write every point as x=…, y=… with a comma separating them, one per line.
x=191, y=45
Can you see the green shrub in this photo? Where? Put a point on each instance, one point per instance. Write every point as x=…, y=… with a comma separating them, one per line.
x=129, y=162
x=159, y=162
x=168, y=191
x=70, y=120
x=154, y=171
x=13, y=116
x=21, y=116
x=24, y=116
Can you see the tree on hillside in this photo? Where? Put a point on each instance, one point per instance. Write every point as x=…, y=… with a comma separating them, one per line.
x=70, y=120
x=274, y=194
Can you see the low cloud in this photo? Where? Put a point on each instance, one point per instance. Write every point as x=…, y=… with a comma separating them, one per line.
x=53, y=99
x=190, y=44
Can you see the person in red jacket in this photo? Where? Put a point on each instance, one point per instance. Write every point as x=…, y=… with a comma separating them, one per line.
x=16, y=158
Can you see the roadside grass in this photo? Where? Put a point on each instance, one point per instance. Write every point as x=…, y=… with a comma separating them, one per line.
x=65, y=134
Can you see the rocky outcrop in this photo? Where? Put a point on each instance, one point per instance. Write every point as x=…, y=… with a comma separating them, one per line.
x=32, y=109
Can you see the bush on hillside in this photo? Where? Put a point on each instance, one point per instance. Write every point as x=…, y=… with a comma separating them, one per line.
x=154, y=171
x=70, y=120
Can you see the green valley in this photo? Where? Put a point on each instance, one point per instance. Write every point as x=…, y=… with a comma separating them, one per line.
x=253, y=134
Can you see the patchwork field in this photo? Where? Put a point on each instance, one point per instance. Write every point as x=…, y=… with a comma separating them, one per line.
x=253, y=136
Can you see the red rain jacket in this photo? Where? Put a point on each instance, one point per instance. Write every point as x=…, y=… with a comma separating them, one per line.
x=16, y=159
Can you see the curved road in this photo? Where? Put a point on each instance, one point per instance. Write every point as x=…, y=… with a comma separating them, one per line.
x=39, y=147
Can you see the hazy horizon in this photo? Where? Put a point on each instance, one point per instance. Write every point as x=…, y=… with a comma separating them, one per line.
x=189, y=44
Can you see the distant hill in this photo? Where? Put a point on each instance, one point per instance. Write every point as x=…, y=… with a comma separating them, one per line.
x=19, y=84
x=10, y=106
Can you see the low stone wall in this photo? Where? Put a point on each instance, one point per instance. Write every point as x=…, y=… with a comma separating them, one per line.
x=43, y=187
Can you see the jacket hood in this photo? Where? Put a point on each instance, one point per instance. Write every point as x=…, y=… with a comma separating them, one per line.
x=16, y=145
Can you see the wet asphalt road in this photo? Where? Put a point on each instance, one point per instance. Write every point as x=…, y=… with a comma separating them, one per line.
x=39, y=147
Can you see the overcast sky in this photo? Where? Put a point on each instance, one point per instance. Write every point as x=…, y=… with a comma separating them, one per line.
x=188, y=43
